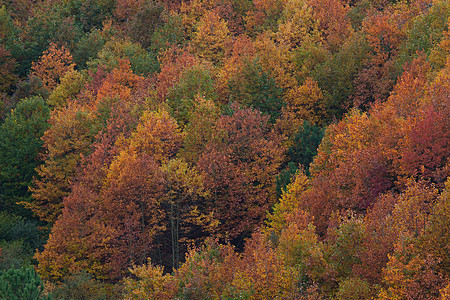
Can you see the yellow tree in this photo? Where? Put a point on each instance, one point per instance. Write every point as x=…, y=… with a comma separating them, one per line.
x=288, y=204
x=307, y=102
x=211, y=37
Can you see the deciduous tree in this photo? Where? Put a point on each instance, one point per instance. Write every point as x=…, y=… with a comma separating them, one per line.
x=54, y=63
x=239, y=165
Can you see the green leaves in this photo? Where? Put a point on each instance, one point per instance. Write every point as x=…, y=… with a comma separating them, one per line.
x=21, y=284
x=20, y=143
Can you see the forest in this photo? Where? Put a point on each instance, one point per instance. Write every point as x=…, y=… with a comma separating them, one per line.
x=225, y=149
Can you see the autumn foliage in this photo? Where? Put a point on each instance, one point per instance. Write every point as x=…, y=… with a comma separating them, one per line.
x=220, y=149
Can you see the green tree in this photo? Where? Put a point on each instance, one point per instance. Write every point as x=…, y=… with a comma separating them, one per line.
x=301, y=152
x=256, y=88
x=116, y=50
x=88, y=47
x=20, y=142
x=195, y=82
x=19, y=238
x=21, y=284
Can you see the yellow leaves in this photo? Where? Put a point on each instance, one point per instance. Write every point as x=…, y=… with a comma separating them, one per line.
x=151, y=283
x=307, y=102
x=440, y=54
x=445, y=292
x=298, y=24
x=289, y=204
x=274, y=58
x=242, y=51
x=412, y=211
x=71, y=85
x=156, y=135
x=199, y=130
x=182, y=179
x=211, y=36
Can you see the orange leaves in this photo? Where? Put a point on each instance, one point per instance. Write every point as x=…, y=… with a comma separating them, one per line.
x=241, y=51
x=262, y=273
x=53, y=65
x=71, y=134
x=120, y=83
x=408, y=94
x=333, y=21
x=384, y=33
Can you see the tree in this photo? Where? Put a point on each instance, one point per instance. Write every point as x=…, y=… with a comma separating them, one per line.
x=71, y=134
x=409, y=271
x=194, y=83
x=7, y=67
x=346, y=243
x=71, y=85
x=141, y=19
x=379, y=241
x=384, y=34
x=424, y=32
x=53, y=65
x=239, y=165
x=20, y=144
x=288, y=204
x=298, y=24
x=333, y=21
x=435, y=240
x=173, y=62
x=199, y=130
x=189, y=217
x=88, y=47
x=157, y=135
x=211, y=37
x=255, y=88
x=21, y=283
x=262, y=16
x=116, y=50
x=262, y=273
x=237, y=55
x=351, y=169
x=336, y=74
x=150, y=282
x=308, y=103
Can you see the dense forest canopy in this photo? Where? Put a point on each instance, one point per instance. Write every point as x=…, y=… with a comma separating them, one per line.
x=225, y=149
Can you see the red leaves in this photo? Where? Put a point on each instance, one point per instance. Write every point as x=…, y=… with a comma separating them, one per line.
x=240, y=164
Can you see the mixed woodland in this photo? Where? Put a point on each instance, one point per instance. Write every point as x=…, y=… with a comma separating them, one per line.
x=224, y=149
